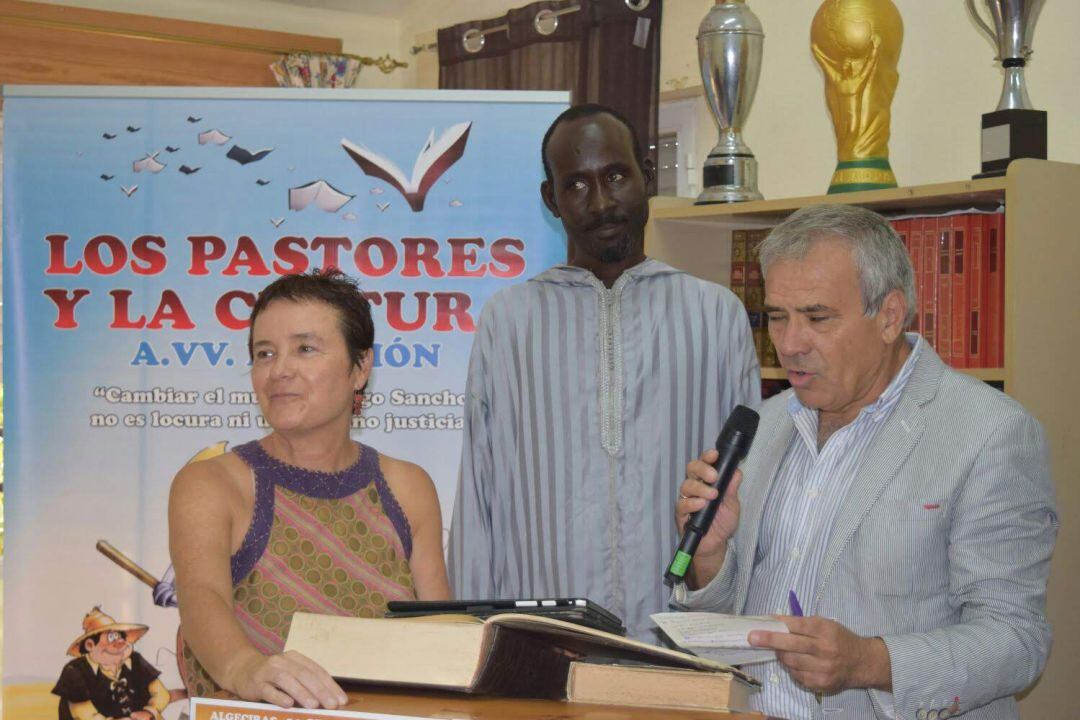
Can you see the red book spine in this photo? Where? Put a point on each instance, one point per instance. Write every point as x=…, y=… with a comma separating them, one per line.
x=929, y=281
x=903, y=231
x=915, y=251
x=976, y=282
x=995, y=289
x=944, y=289
x=961, y=325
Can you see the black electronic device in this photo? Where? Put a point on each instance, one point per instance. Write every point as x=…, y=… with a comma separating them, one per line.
x=580, y=611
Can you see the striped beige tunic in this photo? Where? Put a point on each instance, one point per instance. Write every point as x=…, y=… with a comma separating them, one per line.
x=583, y=406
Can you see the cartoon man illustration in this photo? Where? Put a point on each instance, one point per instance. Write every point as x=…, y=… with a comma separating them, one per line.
x=108, y=680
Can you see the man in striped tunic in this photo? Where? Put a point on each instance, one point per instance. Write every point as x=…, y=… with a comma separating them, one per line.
x=588, y=388
x=908, y=506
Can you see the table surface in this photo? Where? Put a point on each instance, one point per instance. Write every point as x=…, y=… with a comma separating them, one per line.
x=458, y=706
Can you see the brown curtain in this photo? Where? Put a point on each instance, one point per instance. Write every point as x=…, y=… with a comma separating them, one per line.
x=605, y=53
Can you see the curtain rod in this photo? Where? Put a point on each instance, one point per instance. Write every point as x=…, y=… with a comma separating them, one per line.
x=543, y=19
x=417, y=49
x=386, y=63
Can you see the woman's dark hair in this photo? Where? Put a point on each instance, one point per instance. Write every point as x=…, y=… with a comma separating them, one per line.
x=334, y=288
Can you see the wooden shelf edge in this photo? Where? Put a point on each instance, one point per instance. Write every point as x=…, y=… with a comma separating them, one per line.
x=914, y=196
x=984, y=374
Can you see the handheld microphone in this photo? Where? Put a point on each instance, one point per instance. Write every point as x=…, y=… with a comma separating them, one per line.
x=732, y=444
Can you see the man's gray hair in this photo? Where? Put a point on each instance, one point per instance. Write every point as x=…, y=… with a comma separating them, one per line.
x=880, y=258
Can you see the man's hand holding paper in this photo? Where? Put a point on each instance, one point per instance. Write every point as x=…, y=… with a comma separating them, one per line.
x=719, y=637
x=824, y=656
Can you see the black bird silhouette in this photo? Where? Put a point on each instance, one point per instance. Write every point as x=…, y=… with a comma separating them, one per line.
x=188, y=170
x=170, y=148
x=107, y=177
x=260, y=181
x=244, y=156
x=193, y=119
x=132, y=128
x=108, y=136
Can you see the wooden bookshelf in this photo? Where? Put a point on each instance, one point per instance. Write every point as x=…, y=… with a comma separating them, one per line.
x=1042, y=333
x=698, y=237
x=984, y=374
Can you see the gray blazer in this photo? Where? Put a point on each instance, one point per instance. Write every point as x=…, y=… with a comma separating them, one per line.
x=942, y=547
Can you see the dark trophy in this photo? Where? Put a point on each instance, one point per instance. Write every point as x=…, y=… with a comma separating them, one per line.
x=729, y=51
x=1015, y=129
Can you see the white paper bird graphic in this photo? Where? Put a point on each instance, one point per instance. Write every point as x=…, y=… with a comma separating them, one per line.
x=215, y=137
x=149, y=163
x=325, y=196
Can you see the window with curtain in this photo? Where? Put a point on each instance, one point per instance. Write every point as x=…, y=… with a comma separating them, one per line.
x=602, y=51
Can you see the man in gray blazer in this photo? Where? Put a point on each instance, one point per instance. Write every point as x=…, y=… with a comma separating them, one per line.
x=907, y=506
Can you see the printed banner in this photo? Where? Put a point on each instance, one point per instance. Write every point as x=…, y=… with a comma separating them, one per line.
x=138, y=225
x=206, y=709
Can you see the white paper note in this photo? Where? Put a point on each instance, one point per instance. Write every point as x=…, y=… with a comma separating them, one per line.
x=718, y=637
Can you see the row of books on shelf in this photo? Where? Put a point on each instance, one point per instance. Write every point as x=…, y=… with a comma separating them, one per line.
x=748, y=285
x=959, y=264
x=959, y=267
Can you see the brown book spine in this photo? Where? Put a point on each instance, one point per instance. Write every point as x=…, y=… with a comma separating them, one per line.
x=738, y=264
x=755, y=292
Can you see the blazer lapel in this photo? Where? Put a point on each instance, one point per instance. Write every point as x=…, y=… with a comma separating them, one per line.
x=882, y=460
x=758, y=478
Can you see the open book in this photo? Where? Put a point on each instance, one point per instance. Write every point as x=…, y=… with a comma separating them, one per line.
x=434, y=159
x=510, y=655
x=718, y=637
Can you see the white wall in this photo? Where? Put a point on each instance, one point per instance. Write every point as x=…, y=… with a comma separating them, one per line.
x=947, y=80
x=947, y=75
x=361, y=34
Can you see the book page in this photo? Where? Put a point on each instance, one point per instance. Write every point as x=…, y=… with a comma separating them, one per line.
x=591, y=642
x=718, y=637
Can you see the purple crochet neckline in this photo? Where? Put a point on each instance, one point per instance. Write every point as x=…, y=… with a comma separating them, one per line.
x=313, y=483
x=270, y=472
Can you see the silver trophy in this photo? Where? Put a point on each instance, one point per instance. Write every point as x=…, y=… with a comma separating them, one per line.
x=1015, y=129
x=729, y=50
x=1014, y=26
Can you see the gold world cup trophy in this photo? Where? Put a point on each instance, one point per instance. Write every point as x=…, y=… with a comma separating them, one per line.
x=857, y=44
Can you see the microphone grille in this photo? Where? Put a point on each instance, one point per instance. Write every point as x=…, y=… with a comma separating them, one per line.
x=743, y=420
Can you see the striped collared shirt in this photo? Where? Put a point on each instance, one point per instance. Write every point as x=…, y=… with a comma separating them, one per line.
x=799, y=514
x=583, y=406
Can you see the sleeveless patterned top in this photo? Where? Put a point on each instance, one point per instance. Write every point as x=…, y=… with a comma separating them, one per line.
x=330, y=543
